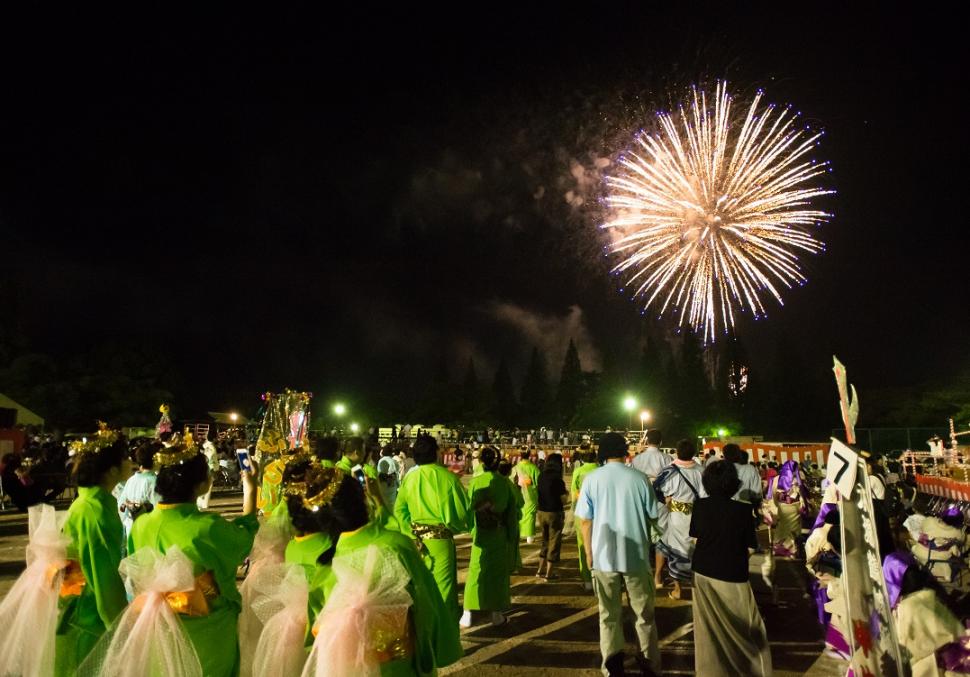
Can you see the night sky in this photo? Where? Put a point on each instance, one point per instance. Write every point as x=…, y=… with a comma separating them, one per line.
x=340, y=202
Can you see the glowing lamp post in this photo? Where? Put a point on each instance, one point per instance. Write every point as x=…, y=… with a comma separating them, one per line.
x=354, y=428
x=234, y=417
x=629, y=404
x=644, y=418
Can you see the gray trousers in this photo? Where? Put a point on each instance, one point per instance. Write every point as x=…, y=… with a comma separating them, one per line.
x=608, y=586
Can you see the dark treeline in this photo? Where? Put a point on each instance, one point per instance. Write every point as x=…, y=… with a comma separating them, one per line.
x=688, y=388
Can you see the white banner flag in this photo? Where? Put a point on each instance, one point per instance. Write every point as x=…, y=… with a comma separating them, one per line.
x=842, y=468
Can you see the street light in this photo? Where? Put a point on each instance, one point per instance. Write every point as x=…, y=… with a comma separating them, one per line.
x=721, y=432
x=233, y=417
x=339, y=409
x=644, y=418
x=354, y=428
x=629, y=404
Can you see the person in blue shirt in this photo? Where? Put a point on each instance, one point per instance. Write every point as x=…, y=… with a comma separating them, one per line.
x=616, y=508
x=138, y=496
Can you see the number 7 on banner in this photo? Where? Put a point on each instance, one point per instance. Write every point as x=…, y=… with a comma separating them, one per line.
x=842, y=466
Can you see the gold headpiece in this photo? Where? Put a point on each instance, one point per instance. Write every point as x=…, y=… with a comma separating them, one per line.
x=295, y=485
x=105, y=437
x=331, y=479
x=175, y=455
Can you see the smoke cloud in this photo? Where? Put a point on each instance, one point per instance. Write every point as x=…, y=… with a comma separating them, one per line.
x=552, y=333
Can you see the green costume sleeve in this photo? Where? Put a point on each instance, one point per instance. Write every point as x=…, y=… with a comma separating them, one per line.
x=237, y=536
x=402, y=511
x=99, y=556
x=457, y=507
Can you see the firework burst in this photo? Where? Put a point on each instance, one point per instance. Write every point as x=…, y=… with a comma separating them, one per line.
x=710, y=211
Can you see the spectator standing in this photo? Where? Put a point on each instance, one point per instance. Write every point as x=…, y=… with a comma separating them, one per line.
x=678, y=485
x=492, y=518
x=587, y=464
x=729, y=633
x=651, y=460
x=749, y=489
x=527, y=477
x=551, y=515
x=212, y=458
x=388, y=473
x=616, y=504
x=138, y=496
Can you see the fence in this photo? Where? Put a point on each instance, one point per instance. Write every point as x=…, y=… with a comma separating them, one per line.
x=892, y=440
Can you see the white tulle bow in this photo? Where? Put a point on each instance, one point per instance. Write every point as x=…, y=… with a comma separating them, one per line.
x=29, y=611
x=281, y=607
x=364, y=614
x=148, y=638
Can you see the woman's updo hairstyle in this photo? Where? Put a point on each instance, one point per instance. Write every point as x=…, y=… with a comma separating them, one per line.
x=92, y=465
x=346, y=511
x=176, y=482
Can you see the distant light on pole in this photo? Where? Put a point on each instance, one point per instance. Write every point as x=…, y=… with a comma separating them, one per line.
x=354, y=428
x=233, y=417
x=339, y=409
x=644, y=418
x=721, y=432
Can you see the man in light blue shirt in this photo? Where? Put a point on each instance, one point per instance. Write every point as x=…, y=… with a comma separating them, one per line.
x=615, y=507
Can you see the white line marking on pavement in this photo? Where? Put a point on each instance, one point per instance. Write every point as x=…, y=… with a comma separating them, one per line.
x=499, y=648
x=686, y=628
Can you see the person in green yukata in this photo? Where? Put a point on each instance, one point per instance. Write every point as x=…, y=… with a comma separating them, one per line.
x=527, y=477
x=93, y=594
x=354, y=455
x=216, y=546
x=326, y=449
x=515, y=556
x=588, y=465
x=493, y=512
x=337, y=503
x=432, y=507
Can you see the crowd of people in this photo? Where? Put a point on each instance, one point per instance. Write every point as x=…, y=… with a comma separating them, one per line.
x=350, y=565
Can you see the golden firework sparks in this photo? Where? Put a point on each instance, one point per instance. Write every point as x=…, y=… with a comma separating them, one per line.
x=710, y=210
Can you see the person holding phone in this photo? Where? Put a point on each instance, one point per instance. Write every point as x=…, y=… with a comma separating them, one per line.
x=216, y=546
x=354, y=463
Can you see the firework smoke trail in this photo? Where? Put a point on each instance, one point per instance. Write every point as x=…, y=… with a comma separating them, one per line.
x=710, y=211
